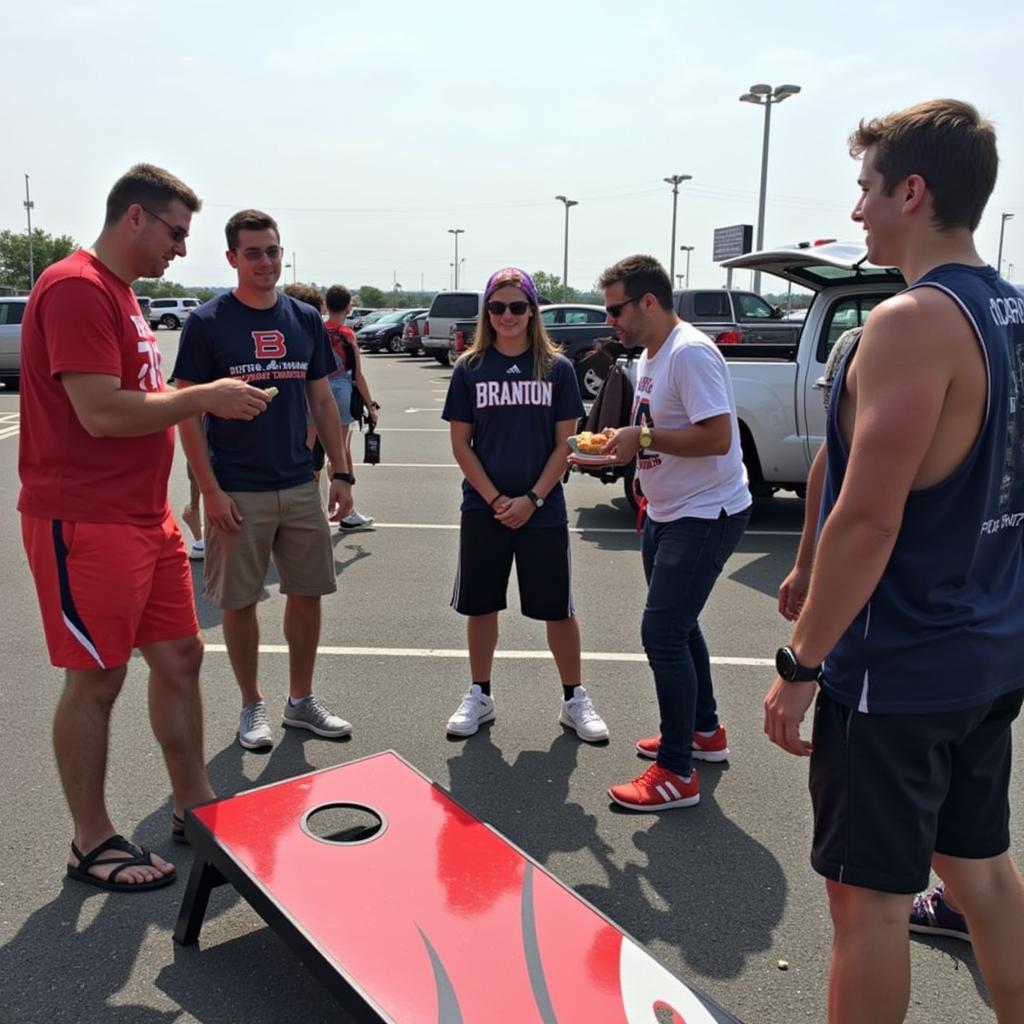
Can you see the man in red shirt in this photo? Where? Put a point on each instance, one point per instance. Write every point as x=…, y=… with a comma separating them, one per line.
x=108, y=559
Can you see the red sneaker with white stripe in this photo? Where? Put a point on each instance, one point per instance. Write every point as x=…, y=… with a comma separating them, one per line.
x=657, y=790
x=705, y=748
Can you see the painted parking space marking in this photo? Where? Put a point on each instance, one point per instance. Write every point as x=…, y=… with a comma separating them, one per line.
x=456, y=653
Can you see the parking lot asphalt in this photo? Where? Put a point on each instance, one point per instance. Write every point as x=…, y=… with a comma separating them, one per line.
x=722, y=893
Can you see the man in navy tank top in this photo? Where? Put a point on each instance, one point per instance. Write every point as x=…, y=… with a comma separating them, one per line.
x=912, y=632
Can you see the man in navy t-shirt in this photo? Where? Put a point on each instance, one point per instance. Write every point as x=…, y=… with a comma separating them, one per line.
x=913, y=623
x=261, y=497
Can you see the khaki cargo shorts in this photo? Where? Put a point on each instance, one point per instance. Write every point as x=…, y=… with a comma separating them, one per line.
x=290, y=526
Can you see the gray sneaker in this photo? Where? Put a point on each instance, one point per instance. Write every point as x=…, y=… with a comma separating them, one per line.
x=254, y=727
x=311, y=714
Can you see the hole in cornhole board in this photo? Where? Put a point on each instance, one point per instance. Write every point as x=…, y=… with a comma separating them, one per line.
x=344, y=824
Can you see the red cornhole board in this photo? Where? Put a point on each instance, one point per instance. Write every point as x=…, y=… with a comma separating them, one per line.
x=435, y=918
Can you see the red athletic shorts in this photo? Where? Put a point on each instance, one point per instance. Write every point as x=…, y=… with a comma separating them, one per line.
x=107, y=588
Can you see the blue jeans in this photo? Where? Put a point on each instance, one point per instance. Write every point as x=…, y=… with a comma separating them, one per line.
x=682, y=560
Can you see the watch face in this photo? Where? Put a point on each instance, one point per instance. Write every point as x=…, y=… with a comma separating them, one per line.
x=785, y=663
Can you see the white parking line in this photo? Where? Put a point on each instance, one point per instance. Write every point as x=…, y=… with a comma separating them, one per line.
x=572, y=529
x=455, y=653
x=9, y=432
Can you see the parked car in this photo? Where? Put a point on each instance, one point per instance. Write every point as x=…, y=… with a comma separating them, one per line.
x=370, y=318
x=12, y=309
x=445, y=310
x=358, y=313
x=778, y=387
x=581, y=343
x=385, y=335
x=412, y=334
x=566, y=313
x=143, y=301
x=170, y=312
x=731, y=316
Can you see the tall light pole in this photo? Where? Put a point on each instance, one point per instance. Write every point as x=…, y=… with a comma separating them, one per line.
x=28, y=204
x=1002, y=228
x=687, y=249
x=565, y=252
x=456, y=232
x=765, y=96
x=675, y=181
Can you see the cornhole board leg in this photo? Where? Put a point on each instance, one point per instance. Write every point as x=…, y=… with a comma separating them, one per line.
x=203, y=879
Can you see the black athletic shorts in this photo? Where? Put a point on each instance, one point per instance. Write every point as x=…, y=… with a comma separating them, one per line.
x=889, y=790
x=543, y=568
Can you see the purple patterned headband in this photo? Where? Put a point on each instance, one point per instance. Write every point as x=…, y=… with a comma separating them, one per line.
x=511, y=276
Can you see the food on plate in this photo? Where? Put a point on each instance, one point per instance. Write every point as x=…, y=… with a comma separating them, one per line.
x=590, y=443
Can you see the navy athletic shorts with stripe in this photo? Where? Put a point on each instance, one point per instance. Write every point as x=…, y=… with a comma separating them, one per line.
x=107, y=588
x=543, y=563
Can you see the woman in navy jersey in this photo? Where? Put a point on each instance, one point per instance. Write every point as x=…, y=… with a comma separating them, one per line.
x=512, y=404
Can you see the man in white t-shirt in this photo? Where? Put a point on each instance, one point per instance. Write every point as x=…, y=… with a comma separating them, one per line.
x=686, y=441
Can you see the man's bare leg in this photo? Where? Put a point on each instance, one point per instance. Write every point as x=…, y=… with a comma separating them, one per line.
x=564, y=642
x=176, y=715
x=242, y=638
x=990, y=894
x=81, y=728
x=870, y=941
x=482, y=640
x=302, y=633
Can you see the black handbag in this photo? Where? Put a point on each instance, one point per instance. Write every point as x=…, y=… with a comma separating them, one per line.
x=371, y=447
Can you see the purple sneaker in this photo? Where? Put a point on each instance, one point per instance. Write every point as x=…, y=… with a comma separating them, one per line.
x=932, y=915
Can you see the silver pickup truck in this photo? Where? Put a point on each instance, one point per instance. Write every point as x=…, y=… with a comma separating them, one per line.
x=777, y=387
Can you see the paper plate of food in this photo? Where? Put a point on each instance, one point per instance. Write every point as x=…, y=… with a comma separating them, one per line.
x=587, y=448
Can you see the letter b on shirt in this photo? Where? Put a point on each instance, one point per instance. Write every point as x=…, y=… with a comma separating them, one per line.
x=269, y=344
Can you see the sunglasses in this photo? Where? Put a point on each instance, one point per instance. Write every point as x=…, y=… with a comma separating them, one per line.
x=515, y=308
x=272, y=252
x=615, y=310
x=178, y=233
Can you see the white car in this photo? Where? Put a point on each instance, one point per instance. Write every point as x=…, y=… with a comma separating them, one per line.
x=12, y=309
x=170, y=312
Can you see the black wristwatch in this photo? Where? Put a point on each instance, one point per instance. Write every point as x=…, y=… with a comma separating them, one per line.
x=790, y=669
x=345, y=478
x=538, y=501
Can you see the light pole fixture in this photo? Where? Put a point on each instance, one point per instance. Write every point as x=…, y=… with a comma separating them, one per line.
x=29, y=205
x=456, y=232
x=565, y=251
x=675, y=181
x=765, y=96
x=687, y=249
x=1002, y=227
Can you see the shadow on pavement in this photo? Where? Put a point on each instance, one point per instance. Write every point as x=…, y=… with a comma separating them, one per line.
x=695, y=891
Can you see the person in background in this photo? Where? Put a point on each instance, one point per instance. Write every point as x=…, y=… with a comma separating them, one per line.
x=348, y=375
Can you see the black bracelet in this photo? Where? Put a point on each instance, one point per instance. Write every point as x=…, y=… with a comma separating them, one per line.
x=345, y=478
x=494, y=499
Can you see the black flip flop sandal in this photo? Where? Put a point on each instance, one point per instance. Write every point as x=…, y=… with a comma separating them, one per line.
x=178, y=829
x=140, y=857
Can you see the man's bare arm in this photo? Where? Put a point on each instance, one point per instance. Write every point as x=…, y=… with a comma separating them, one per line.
x=793, y=589
x=105, y=409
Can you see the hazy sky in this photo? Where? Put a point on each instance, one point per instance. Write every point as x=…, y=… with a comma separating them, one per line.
x=369, y=129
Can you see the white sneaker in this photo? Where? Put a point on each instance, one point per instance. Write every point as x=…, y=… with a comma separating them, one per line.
x=355, y=521
x=311, y=714
x=254, y=728
x=198, y=550
x=476, y=708
x=580, y=714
